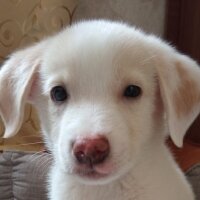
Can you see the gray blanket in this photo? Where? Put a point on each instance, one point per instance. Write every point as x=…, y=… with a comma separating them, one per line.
x=23, y=176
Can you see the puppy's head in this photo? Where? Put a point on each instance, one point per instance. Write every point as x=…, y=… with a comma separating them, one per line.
x=105, y=93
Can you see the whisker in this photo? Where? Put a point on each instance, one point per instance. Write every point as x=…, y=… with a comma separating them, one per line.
x=35, y=155
x=17, y=140
x=148, y=59
x=44, y=161
x=42, y=164
x=27, y=136
x=25, y=144
x=38, y=156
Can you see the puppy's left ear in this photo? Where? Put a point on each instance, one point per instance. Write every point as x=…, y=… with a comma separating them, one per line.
x=16, y=80
x=180, y=90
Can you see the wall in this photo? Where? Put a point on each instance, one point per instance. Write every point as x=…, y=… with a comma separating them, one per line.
x=146, y=14
x=23, y=22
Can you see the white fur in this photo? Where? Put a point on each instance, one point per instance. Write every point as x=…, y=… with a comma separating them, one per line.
x=96, y=61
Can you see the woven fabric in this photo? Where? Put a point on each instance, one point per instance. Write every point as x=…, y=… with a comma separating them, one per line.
x=23, y=175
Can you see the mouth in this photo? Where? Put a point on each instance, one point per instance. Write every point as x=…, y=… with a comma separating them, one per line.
x=94, y=172
x=90, y=174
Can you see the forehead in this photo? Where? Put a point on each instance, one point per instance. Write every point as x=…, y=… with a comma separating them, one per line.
x=93, y=53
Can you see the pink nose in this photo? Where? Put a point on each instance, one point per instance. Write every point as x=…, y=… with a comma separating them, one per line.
x=91, y=151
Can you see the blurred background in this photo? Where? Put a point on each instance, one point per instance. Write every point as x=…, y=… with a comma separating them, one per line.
x=23, y=22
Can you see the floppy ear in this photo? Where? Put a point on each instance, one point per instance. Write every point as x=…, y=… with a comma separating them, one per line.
x=16, y=79
x=180, y=91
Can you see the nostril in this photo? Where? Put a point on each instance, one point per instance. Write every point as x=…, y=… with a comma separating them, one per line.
x=91, y=150
x=81, y=157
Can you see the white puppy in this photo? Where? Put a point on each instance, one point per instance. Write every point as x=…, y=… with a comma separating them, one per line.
x=107, y=96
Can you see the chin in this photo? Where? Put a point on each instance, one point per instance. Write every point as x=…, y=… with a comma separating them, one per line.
x=98, y=175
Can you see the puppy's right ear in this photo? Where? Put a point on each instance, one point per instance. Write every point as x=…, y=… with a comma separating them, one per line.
x=16, y=80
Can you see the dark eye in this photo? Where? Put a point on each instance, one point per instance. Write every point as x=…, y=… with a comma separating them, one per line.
x=59, y=94
x=132, y=91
